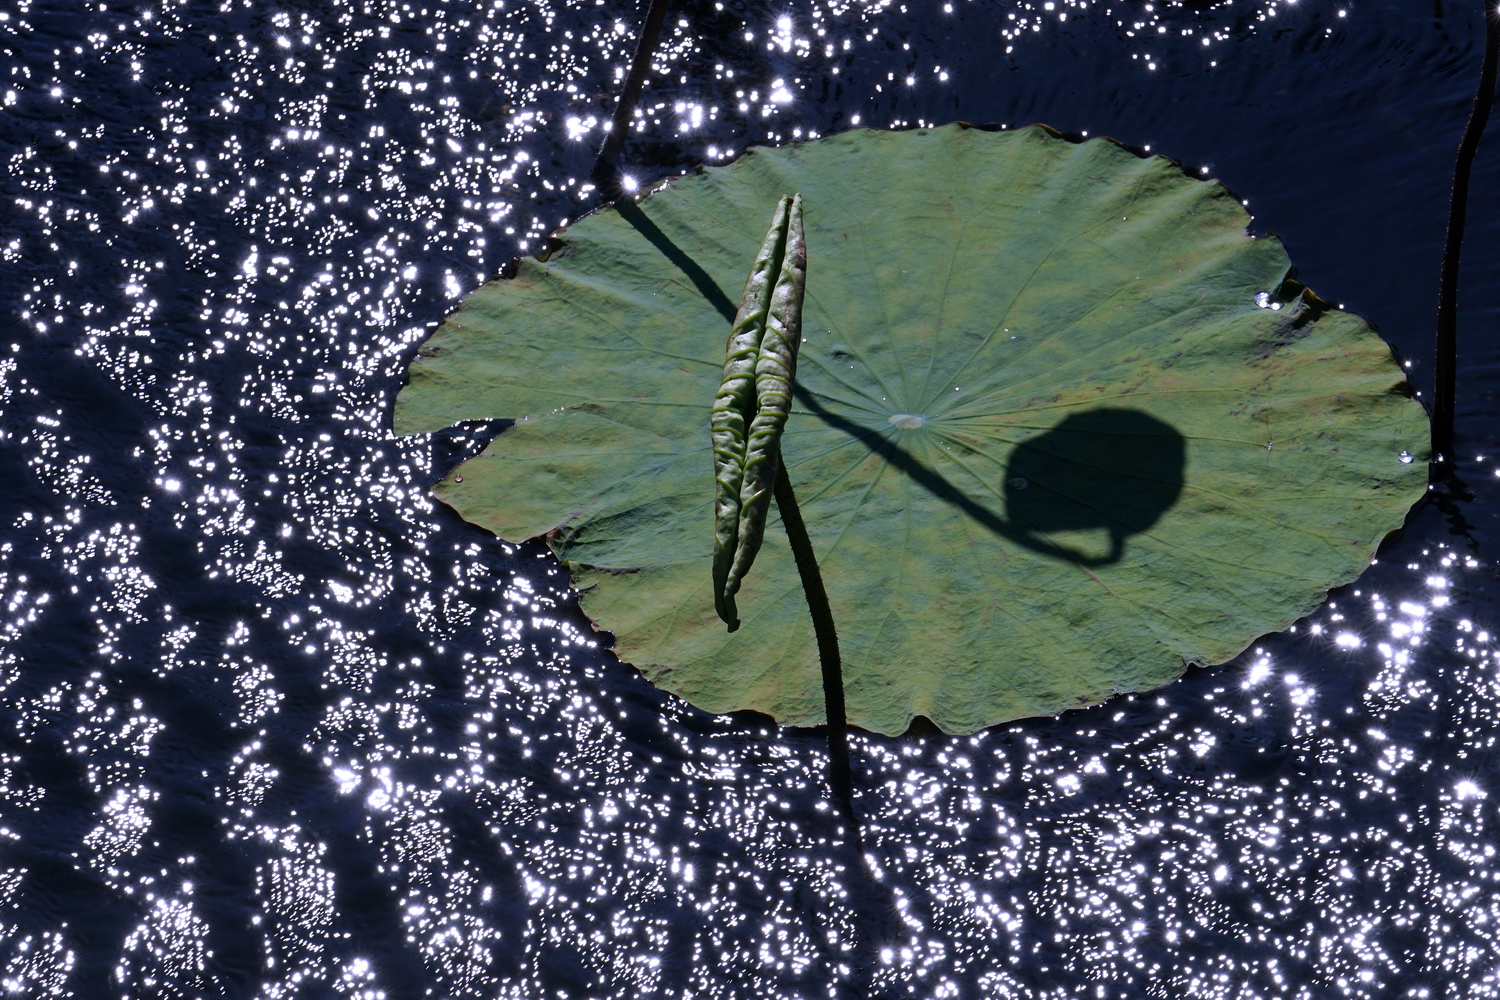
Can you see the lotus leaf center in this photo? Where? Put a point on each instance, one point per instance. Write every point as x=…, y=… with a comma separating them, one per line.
x=907, y=421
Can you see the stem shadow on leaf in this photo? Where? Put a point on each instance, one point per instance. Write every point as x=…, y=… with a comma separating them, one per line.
x=707, y=287
x=1113, y=469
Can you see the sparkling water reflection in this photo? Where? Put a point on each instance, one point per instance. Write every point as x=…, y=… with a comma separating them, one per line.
x=276, y=725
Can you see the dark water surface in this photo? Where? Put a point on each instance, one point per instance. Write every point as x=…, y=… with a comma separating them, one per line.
x=276, y=725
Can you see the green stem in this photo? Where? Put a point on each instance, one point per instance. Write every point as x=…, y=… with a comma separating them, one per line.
x=606, y=172
x=1445, y=372
x=828, y=640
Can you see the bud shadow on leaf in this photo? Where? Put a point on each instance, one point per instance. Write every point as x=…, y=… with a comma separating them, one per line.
x=1108, y=469
x=1111, y=469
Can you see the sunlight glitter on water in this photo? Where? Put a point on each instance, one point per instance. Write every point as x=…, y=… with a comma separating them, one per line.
x=290, y=727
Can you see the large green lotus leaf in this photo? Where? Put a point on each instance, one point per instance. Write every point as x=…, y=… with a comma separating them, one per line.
x=1047, y=444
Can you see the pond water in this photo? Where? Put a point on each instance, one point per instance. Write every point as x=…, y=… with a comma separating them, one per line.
x=274, y=724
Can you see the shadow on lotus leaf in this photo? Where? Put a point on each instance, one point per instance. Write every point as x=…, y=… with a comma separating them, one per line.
x=1108, y=469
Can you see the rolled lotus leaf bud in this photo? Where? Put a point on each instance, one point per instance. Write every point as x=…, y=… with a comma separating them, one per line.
x=754, y=399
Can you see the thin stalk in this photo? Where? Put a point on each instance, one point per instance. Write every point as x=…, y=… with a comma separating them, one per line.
x=881, y=920
x=1446, y=368
x=828, y=641
x=606, y=172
